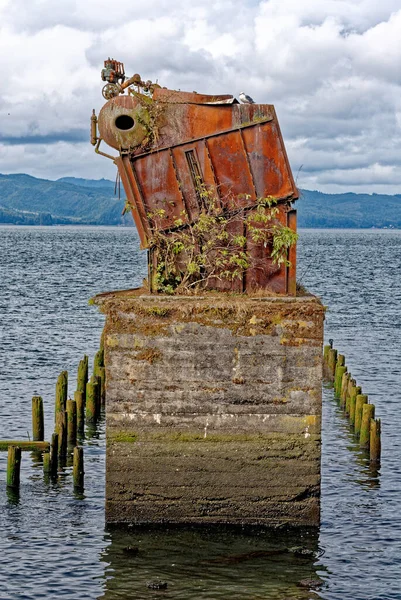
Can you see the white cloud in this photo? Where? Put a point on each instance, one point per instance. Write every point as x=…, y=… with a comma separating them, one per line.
x=331, y=67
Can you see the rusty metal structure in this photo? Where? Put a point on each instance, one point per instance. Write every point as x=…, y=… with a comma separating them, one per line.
x=171, y=144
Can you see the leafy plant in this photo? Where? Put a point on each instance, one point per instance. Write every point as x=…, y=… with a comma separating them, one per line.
x=214, y=247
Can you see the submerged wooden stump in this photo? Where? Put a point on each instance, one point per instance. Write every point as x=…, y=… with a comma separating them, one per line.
x=13, y=467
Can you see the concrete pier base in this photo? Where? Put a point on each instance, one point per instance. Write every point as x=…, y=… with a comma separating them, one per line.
x=213, y=409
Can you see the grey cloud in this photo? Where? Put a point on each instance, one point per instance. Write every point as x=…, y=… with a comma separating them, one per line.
x=74, y=135
x=332, y=68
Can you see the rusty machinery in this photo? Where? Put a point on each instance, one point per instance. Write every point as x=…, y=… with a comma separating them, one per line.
x=168, y=141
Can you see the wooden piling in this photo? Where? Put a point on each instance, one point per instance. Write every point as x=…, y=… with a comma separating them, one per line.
x=368, y=413
x=78, y=468
x=54, y=454
x=375, y=440
x=361, y=399
x=91, y=400
x=79, y=399
x=326, y=351
x=356, y=391
x=13, y=467
x=46, y=463
x=33, y=446
x=61, y=392
x=82, y=377
x=38, y=424
x=331, y=364
x=344, y=388
x=340, y=360
x=353, y=392
x=61, y=429
x=98, y=361
x=71, y=423
x=340, y=370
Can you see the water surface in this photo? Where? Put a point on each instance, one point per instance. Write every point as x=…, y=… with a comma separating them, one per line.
x=54, y=544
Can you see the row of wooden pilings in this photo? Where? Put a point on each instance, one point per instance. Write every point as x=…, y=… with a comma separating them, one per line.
x=71, y=415
x=354, y=403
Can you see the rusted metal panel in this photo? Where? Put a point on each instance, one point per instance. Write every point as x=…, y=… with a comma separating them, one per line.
x=267, y=161
x=195, y=175
x=160, y=189
x=133, y=198
x=231, y=168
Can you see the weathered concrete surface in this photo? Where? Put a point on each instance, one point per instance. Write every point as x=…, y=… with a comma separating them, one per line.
x=213, y=409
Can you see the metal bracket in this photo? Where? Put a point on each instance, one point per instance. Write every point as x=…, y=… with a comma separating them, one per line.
x=113, y=158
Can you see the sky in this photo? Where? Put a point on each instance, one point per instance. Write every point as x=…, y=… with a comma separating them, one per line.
x=332, y=68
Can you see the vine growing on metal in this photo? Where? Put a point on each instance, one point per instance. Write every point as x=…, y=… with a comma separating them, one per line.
x=190, y=255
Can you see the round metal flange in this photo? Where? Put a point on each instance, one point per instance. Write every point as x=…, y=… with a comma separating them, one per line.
x=110, y=90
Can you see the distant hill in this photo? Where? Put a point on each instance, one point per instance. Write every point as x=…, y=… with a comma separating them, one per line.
x=316, y=209
x=26, y=200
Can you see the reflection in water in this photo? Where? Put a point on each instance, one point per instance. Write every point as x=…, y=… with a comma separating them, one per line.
x=213, y=563
x=13, y=496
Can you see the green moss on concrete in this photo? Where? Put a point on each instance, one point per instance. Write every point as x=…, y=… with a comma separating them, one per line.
x=158, y=311
x=122, y=437
x=179, y=436
x=300, y=321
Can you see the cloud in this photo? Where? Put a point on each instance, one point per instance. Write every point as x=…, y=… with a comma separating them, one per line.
x=332, y=68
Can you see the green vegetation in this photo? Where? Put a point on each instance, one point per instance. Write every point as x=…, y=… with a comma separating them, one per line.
x=214, y=247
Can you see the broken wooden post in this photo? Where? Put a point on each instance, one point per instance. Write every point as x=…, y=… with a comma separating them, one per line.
x=98, y=361
x=61, y=392
x=340, y=371
x=368, y=413
x=78, y=468
x=13, y=467
x=46, y=463
x=356, y=391
x=332, y=362
x=33, y=446
x=361, y=399
x=344, y=388
x=61, y=429
x=71, y=423
x=91, y=400
x=79, y=399
x=82, y=377
x=38, y=425
x=54, y=454
x=375, y=440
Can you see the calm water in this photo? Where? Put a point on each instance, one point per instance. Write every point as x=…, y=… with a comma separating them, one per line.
x=54, y=544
